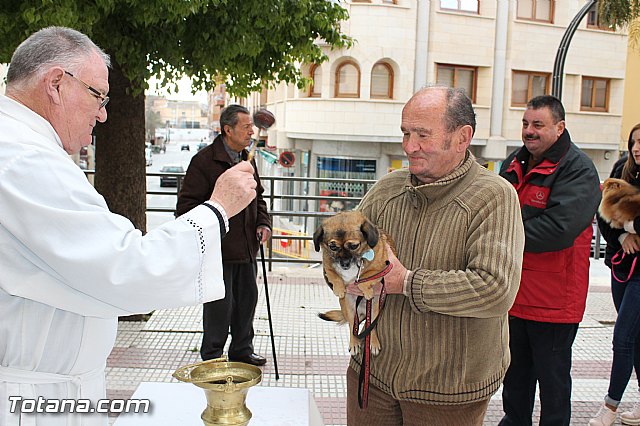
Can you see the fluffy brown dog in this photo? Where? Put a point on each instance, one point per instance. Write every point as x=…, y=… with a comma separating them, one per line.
x=352, y=248
x=620, y=202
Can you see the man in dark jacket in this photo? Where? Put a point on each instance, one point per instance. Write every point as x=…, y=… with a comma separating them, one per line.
x=559, y=191
x=247, y=230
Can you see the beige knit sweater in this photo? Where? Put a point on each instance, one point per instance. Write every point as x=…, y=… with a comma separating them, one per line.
x=447, y=341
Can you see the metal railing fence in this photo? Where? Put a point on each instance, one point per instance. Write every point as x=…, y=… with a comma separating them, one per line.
x=297, y=204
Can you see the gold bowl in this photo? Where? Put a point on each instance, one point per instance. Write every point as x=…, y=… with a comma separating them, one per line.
x=225, y=385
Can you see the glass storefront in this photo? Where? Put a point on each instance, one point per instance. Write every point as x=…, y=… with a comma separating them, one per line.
x=343, y=168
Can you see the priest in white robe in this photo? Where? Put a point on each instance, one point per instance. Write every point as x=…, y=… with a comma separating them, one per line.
x=68, y=266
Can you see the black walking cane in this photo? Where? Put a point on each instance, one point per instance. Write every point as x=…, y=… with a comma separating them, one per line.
x=264, y=119
x=266, y=294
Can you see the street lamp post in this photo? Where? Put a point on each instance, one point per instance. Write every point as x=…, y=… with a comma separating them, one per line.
x=563, y=49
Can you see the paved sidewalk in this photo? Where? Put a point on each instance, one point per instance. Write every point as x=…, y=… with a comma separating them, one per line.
x=312, y=353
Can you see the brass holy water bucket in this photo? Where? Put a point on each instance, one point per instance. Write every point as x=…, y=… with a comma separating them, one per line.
x=226, y=385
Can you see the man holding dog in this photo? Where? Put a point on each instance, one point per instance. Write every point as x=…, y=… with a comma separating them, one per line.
x=559, y=191
x=459, y=237
x=69, y=266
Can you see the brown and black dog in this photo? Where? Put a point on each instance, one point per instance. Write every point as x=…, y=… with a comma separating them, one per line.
x=352, y=248
x=620, y=202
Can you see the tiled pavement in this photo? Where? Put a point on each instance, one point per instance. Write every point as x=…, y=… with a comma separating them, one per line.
x=312, y=353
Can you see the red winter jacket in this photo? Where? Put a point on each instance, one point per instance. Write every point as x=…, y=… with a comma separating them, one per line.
x=558, y=198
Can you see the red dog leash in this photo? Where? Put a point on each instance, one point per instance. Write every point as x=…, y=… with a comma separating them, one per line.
x=365, y=367
x=615, y=262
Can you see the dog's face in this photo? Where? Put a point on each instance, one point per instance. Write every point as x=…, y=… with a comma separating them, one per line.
x=613, y=184
x=345, y=237
x=620, y=202
x=614, y=190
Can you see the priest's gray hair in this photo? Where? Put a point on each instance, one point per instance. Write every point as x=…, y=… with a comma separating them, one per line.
x=51, y=46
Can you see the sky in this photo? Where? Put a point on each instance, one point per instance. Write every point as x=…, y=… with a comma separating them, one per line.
x=183, y=95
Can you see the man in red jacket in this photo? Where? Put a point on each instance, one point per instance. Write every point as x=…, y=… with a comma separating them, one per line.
x=559, y=191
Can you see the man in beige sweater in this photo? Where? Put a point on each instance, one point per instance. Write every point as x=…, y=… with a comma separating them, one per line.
x=459, y=235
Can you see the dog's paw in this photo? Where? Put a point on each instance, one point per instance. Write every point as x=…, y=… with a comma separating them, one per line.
x=368, y=293
x=375, y=347
x=339, y=292
x=354, y=346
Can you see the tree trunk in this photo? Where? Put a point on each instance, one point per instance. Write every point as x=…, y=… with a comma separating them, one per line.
x=120, y=142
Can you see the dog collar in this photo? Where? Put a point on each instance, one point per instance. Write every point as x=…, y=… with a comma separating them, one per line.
x=380, y=274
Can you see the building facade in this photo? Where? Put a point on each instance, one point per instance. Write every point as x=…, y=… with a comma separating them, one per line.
x=631, y=105
x=347, y=122
x=178, y=120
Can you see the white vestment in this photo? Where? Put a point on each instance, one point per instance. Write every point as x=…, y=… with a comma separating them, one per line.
x=69, y=268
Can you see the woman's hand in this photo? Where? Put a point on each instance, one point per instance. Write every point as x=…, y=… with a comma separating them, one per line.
x=631, y=244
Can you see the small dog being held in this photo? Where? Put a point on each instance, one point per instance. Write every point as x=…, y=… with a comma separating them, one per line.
x=352, y=248
x=620, y=202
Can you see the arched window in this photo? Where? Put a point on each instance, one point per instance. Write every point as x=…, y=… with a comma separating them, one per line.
x=315, y=89
x=347, y=80
x=382, y=81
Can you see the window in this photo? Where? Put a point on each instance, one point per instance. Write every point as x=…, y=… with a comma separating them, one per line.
x=528, y=85
x=459, y=77
x=593, y=19
x=382, y=81
x=315, y=89
x=347, y=81
x=595, y=94
x=343, y=168
x=462, y=5
x=536, y=10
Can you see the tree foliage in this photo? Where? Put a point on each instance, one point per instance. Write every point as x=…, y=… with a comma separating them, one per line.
x=152, y=122
x=620, y=14
x=248, y=42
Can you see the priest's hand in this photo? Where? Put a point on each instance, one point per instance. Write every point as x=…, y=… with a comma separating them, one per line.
x=235, y=188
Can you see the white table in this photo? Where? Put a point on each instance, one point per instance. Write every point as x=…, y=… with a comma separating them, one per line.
x=182, y=403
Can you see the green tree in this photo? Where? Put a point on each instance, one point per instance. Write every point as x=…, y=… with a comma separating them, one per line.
x=250, y=42
x=152, y=122
x=620, y=14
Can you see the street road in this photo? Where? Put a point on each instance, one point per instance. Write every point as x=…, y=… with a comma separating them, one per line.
x=173, y=156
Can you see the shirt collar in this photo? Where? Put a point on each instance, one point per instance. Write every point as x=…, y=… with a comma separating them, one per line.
x=29, y=118
x=233, y=155
x=455, y=174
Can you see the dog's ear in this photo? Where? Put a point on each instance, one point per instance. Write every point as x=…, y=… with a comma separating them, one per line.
x=317, y=237
x=370, y=233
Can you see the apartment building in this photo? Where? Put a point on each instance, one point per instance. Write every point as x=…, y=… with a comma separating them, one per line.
x=180, y=114
x=502, y=52
x=631, y=105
